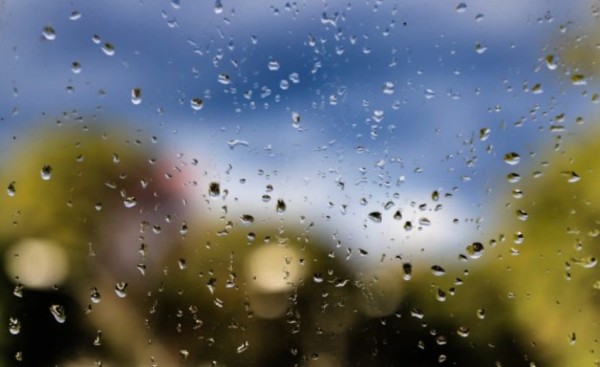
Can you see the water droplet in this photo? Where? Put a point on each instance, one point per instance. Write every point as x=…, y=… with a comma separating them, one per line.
x=121, y=289
x=76, y=67
x=437, y=270
x=463, y=331
x=440, y=295
x=224, y=79
x=479, y=17
x=551, y=62
x=578, y=79
x=14, y=326
x=295, y=119
x=517, y=193
x=49, y=33
x=75, y=15
x=46, y=172
x=429, y=93
x=537, y=89
x=521, y=214
x=461, y=8
x=479, y=48
x=96, y=39
x=484, y=133
x=196, y=104
x=95, y=296
x=182, y=263
x=512, y=158
x=214, y=189
x=10, y=190
x=375, y=217
x=481, y=314
x=513, y=177
x=281, y=206
x=184, y=353
x=243, y=347
x=98, y=339
x=417, y=314
x=572, y=338
x=247, y=219
x=475, y=250
x=108, y=49
x=587, y=262
x=183, y=230
x=130, y=202
x=18, y=291
x=407, y=267
x=571, y=176
x=218, y=8
x=388, y=88
x=58, y=312
x=294, y=78
x=273, y=65
x=136, y=96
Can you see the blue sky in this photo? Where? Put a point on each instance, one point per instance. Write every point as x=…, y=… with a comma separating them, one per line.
x=454, y=69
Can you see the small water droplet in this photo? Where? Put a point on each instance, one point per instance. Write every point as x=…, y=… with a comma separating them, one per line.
x=218, y=8
x=130, y=202
x=196, y=104
x=247, y=219
x=475, y=250
x=224, y=79
x=121, y=289
x=375, y=217
x=295, y=119
x=521, y=214
x=440, y=295
x=10, y=190
x=479, y=48
x=14, y=326
x=513, y=177
x=96, y=39
x=243, y=347
x=95, y=296
x=407, y=267
x=281, y=206
x=463, y=331
x=58, y=312
x=517, y=193
x=76, y=67
x=294, y=78
x=571, y=176
x=136, y=96
x=388, y=88
x=437, y=270
x=108, y=49
x=484, y=133
x=537, y=89
x=461, y=8
x=417, y=314
x=512, y=158
x=98, y=339
x=182, y=263
x=481, y=314
x=551, y=62
x=75, y=15
x=587, y=262
x=572, y=338
x=578, y=79
x=49, y=33
x=273, y=65
x=214, y=189
x=46, y=172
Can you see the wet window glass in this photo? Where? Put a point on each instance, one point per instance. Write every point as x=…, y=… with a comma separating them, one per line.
x=299, y=183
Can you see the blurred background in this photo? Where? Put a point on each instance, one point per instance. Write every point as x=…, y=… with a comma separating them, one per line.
x=332, y=183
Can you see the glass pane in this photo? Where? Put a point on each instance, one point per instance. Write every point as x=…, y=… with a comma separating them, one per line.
x=329, y=183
